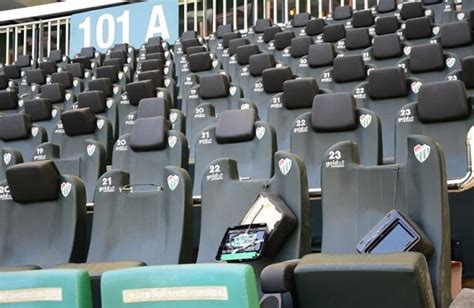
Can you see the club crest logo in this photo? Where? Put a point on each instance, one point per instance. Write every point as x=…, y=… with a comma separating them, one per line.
x=172, y=141
x=435, y=30
x=109, y=103
x=232, y=91
x=66, y=188
x=20, y=103
x=68, y=96
x=407, y=50
x=173, y=181
x=75, y=82
x=116, y=90
x=365, y=120
x=54, y=113
x=100, y=123
x=7, y=158
x=450, y=62
x=422, y=152
x=460, y=16
x=415, y=86
x=260, y=132
x=167, y=82
x=173, y=117
x=244, y=106
x=33, y=88
x=285, y=165
x=90, y=149
x=34, y=131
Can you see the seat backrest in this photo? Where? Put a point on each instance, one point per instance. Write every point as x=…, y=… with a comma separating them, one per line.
x=76, y=69
x=56, y=93
x=386, y=25
x=416, y=188
x=456, y=37
x=221, y=182
x=42, y=114
x=43, y=216
x=411, y=10
x=441, y=112
x=387, y=50
x=253, y=71
x=135, y=91
x=216, y=285
x=356, y=40
x=420, y=30
x=362, y=19
x=240, y=136
x=161, y=216
x=150, y=141
x=333, y=118
x=9, y=102
x=320, y=58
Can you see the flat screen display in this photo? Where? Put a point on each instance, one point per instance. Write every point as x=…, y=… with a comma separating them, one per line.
x=396, y=240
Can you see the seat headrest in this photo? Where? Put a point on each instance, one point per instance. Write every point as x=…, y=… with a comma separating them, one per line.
x=349, y=68
x=118, y=63
x=153, y=107
x=443, y=101
x=358, y=38
x=334, y=33
x=362, y=19
x=299, y=93
x=15, y=126
x=109, y=71
x=236, y=43
x=189, y=34
x=55, y=92
x=283, y=39
x=39, y=109
x=387, y=46
x=156, y=77
x=49, y=67
x=320, y=55
x=195, y=49
x=245, y=52
x=315, y=26
x=149, y=134
x=140, y=89
x=76, y=69
x=55, y=55
x=23, y=60
x=37, y=76
x=36, y=181
x=4, y=81
x=270, y=32
x=426, y=58
x=468, y=71
x=154, y=40
x=213, y=86
x=12, y=71
x=191, y=42
x=8, y=100
x=333, y=112
x=155, y=55
x=386, y=6
x=300, y=46
x=79, y=121
x=236, y=126
x=342, y=12
x=101, y=84
x=411, y=10
x=260, y=62
x=123, y=47
x=381, y=77
x=429, y=2
x=229, y=37
x=64, y=78
x=223, y=29
x=83, y=61
x=418, y=28
x=273, y=78
x=456, y=34
x=199, y=62
x=261, y=24
x=301, y=19
x=151, y=48
x=95, y=100
x=151, y=65
x=386, y=25
x=88, y=52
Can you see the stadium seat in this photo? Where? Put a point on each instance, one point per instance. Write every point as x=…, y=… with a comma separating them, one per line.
x=341, y=15
x=239, y=59
x=240, y=136
x=411, y=10
x=230, y=51
x=319, y=59
x=298, y=24
x=111, y=71
x=355, y=42
x=13, y=73
x=255, y=32
x=386, y=7
x=250, y=73
x=296, y=99
x=387, y=25
x=91, y=54
x=268, y=36
x=43, y=114
x=387, y=50
x=456, y=38
x=339, y=277
x=152, y=141
x=278, y=47
x=315, y=27
x=186, y=286
x=46, y=288
x=58, y=57
x=43, y=217
x=442, y=11
x=362, y=19
x=49, y=67
x=81, y=145
x=164, y=214
x=347, y=72
x=299, y=48
x=216, y=38
x=333, y=118
x=25, y=62
x=56, y=93
x=9, y=102
x=419, y=30
x=386, y=101
x=30, y=85
x=71, y=84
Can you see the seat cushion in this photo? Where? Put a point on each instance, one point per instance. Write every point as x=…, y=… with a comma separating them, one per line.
x=149, y=134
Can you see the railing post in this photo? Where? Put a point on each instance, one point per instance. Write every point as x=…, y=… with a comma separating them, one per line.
x=7, y=47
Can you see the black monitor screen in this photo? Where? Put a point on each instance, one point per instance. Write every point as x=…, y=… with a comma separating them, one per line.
x=396, y=240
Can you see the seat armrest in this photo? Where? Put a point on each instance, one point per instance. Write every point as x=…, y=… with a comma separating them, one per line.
x=278, y=277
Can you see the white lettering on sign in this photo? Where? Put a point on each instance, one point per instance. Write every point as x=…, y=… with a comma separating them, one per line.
x=158, y=23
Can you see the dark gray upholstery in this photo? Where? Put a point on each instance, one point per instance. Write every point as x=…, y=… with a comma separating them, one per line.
x=334, y=118
x=288, y=183
x=387, y=50
x=43, y=114
x=456, y=37
x=347, y=72
x=252, y=72
x=333, y=33
x=320, y=57
x=57, y=94
x=254, y=155
x=362, y=19
x=386, y=25
x=42, y=233
x=412, y=10
x=278, y=47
